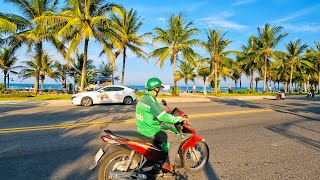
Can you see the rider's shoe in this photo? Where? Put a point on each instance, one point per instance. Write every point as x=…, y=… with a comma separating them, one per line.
x=169, y=168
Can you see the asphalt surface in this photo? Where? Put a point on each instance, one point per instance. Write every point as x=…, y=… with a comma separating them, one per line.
x=257, y=139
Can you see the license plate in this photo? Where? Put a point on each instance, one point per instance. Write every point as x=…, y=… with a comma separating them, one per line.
x=98, y=156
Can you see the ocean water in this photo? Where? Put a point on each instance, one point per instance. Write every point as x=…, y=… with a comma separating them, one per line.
x=23, y=86
x=135, y=87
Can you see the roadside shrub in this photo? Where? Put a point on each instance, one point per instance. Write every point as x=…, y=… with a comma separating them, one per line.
x=239, y=92
x=177, y=91
x=2, y=88
x=16, y=95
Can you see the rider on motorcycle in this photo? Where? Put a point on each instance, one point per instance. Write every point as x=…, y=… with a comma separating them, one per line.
x=149, y=116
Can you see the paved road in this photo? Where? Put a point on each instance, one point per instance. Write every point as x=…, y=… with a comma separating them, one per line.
x=258, y=139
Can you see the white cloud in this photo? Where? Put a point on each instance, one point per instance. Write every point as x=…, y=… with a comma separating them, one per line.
x=209, y=22
x=297, y=14
x=221, y=21
x=242, y=2
x=196, y=5
x=161, y=19
x=306, y=27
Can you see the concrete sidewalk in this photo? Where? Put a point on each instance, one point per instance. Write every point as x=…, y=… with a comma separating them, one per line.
x=184, y=98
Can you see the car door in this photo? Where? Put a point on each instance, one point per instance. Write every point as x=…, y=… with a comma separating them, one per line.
x=106, y=95
x=118, y=94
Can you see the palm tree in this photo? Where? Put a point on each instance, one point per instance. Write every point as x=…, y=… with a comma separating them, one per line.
x=107, y=70
x=186, y=72
x=257, y=79
x=31, y=33
x=76, y=69
x=6, y=26
x=47, y=69
x=127, y=24
x=30, y=69
x=215, y=46
x=62, y=71
x=204, y=72
x=8, y=60
x=237, y=73
x=246, y=58
x=267, y=39
x=176, y=39
x=294, y=54
x=82, y=21
x=314, y=56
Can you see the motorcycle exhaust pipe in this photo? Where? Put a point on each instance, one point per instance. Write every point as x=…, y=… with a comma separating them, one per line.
x=127, y=175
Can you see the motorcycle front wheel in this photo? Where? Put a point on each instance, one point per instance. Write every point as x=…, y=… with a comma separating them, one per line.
x=117, y=161
x=196, y=158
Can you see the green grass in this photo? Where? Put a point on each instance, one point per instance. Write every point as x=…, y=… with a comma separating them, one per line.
x=10, y=97
x=28, y=96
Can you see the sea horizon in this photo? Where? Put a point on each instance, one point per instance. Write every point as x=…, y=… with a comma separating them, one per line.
x=135, y=87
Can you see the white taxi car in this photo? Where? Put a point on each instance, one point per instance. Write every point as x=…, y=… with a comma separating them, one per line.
x=107, y=94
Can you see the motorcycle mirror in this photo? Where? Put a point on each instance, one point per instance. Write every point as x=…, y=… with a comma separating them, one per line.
x=164, y=102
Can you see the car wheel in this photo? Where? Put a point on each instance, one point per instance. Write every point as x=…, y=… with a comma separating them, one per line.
x=127, y=100
x=86, y=101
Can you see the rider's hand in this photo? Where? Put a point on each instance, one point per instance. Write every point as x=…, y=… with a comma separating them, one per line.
x=185, y=120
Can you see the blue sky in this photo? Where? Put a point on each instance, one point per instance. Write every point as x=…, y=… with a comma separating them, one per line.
x=239, y=18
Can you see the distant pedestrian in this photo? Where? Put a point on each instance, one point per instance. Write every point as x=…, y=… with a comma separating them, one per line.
x=194, y=89
x=229, y=88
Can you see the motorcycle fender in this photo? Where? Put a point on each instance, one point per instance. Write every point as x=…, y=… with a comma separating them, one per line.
x=191, y=142
x=99, y=155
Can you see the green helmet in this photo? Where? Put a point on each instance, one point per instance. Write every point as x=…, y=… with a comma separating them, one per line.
x=153, y=83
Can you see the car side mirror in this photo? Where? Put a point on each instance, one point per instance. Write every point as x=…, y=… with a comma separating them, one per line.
x=164, y=102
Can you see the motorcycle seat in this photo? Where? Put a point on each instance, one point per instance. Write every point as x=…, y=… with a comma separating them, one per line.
x=130, y=135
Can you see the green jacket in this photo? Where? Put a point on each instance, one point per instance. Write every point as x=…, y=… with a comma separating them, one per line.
x=149, y=114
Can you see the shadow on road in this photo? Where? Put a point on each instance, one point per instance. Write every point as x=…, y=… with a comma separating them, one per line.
x=50, y=115
x=305, y=126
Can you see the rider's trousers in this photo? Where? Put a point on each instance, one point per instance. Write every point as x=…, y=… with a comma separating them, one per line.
x=173, y=139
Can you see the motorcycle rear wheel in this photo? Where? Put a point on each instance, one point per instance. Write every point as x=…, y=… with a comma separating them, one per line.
x=108, y=164
x=196, y=159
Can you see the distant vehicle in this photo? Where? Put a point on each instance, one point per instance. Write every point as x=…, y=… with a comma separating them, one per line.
x=105, y=95
x=281, y=95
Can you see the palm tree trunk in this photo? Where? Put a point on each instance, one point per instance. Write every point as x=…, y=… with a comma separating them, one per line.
x=215, y=77
x=291, y=75
x=308, y=79
x=305, y=86
x=252, y=80
x=123, y=66
x=204, y=86
x=278, y=86
x=256, y=85
x=235, y=84
x=42, y=83
x=240, y=84
x=286, y=86
x=112, y=78
x=174, y=73
x=187, y=85
x=265, y=73
x=319, y=82
x=85, y=59
x=5, y=77
x=39, y=54
x=274, y=85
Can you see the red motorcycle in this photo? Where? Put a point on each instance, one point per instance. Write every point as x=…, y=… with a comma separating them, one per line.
x=129, y=155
